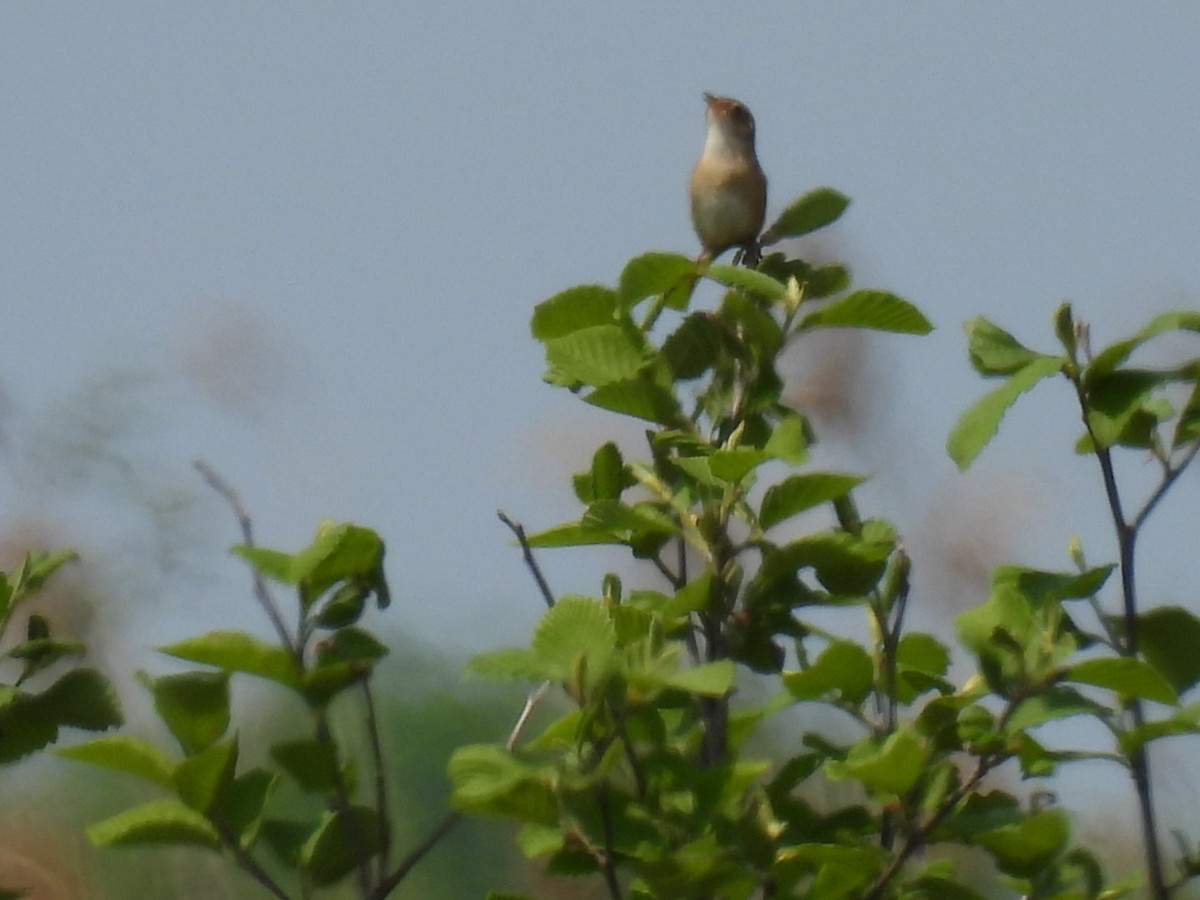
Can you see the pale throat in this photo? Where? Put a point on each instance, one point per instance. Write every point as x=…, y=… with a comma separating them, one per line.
x=723, y=143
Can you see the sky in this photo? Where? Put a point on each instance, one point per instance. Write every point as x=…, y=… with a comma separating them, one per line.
x=302, y=242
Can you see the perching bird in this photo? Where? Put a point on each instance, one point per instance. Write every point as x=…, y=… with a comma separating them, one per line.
x=728, y=187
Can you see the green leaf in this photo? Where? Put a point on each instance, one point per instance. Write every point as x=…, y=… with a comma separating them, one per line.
x=511, y=662
x=342, y=838
x=351, y=644
x=81, y=698
x=1169, y=637
x=194, y=706
x=800, y=492
x=312, y=764
x=608, y=471
x=748, y=281
x=200, y=777
x=1064, y=329
x=654, y=273
x=843, y=563
x=1027, y=847
x=993, y=351
x=843, y=667
x=166, y=821
x=1117, y=407
x=814, y=210
x=241, y=805
x=273, y=563
x=692, y=348
x=574, y=309
x=892, y=768
x=1048, y=587
x=877, y=310
x=340, y=552
x=640, y=398
x=124, y=753
x=978, y=425
x=575, y=629
x=571, y=534
x=236, y=651
x=1112, y=356
x=488, y=779
x=600, y=355
x=789, y=440
x=1127, y=676
x=713, y=679
x=1187, y=426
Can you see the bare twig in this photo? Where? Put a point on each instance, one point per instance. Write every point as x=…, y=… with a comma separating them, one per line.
x=519, y=530
x=261, y=591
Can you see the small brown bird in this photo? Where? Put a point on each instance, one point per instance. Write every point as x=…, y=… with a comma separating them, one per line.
x=728, y=187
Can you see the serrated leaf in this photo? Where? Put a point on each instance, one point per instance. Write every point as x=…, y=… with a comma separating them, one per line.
x=488, y=779
x=640, y=398
x=877, y=310
x=511, y=662
x=654, y=273
x=978, y=425
x=81, y=698
x=574, y=629
x=236, y=651
x=993, y=351
x=816, y=209
x=571, y=310
x=166, y=821
x=801, y=492
x=843, y=667
x=600, y=355
x=124, y=753
x=747, y=280
x=1127, y=676
x=691, y=349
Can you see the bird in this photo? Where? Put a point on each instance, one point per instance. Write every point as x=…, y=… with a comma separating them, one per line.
x=728, y=188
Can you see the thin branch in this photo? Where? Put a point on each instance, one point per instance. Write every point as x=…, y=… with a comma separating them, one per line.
x=1127, y=534
x=418, y=853
x=519, y=530
x=1170, y=473
x=341, y=803
x=381, y=806
x=248, y=863
x=261, y=591
x=451, y=820
x=607, y=865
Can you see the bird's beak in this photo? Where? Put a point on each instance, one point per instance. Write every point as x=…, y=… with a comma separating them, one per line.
x=709, y=98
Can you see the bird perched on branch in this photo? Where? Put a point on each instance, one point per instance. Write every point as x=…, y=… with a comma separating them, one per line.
x=728, y=187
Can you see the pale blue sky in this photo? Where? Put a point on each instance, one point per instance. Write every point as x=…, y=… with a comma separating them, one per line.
x=303, y=241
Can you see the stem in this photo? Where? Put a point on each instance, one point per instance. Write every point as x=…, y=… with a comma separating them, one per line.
x=249, y=864
x=341, y=803
x=261, y=591
x=381, y=807
x=1127, y=534
x=418, y=853
x=519, y=530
